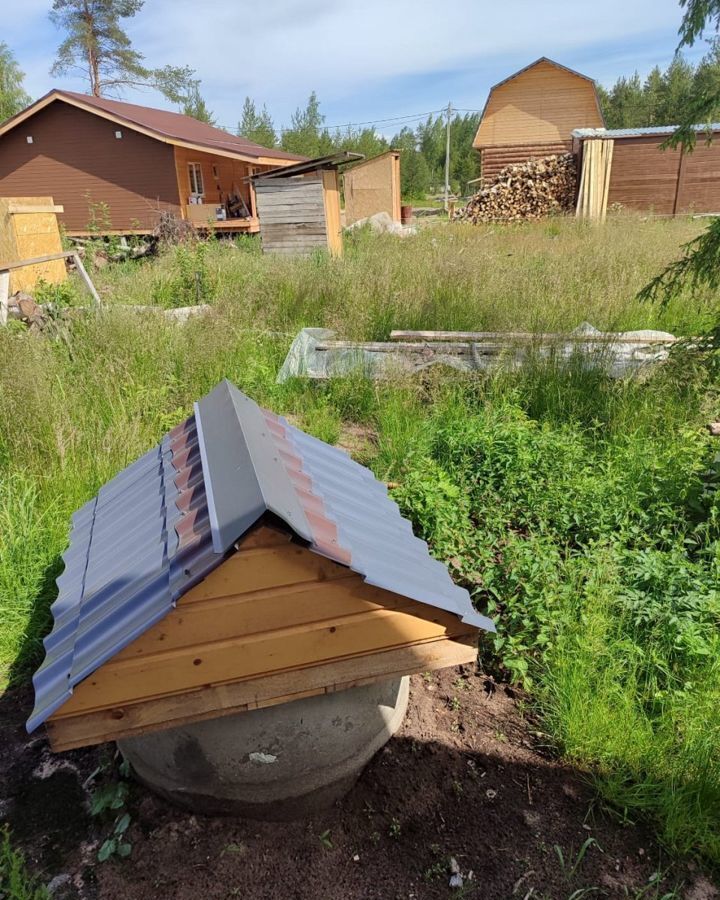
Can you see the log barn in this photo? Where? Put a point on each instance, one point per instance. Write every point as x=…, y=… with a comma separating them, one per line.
x=239, y=564
x=133, y=162
x=533, y=113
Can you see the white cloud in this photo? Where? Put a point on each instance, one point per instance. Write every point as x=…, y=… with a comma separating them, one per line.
x=374, y=57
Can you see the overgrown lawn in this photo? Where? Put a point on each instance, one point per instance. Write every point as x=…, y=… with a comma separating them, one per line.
x=582, y=512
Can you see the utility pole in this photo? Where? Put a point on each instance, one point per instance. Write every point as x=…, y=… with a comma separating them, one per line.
x=447, y=158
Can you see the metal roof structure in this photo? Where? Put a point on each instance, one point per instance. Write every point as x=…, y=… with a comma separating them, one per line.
x=612, y=133
x=171, y=127
x=311, y=165
x=174, y=515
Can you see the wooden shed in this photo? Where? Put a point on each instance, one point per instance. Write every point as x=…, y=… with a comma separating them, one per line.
x=299, y=205
x=131, y=163
x=533, y=113
x=240, y=563
x=643, y=176
x=373, y=186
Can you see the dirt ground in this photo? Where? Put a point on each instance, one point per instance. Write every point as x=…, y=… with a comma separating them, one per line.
x=465, y=788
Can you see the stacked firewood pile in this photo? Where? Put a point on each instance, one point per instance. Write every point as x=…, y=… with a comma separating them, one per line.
x=531, y=190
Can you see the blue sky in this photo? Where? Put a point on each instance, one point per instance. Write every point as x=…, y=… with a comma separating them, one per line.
x=367, y=59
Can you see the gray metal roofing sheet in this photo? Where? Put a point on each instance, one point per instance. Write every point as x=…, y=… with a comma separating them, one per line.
x=655, y=130
x=166, y=521
x=125, y=567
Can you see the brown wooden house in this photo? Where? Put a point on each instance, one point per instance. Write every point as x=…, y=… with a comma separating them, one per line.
x=135, y=161
x=533, y=113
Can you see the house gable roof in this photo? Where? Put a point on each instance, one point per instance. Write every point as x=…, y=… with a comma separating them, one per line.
x=169, y=519
x=170, y=127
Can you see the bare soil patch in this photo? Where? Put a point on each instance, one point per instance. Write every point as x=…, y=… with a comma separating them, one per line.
x=466, y=780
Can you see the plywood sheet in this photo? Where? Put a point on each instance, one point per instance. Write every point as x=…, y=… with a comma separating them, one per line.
x=27, y=235
x=372, y=187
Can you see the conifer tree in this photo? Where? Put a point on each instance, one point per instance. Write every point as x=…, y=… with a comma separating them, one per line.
x=13, y=97
x=97, y=47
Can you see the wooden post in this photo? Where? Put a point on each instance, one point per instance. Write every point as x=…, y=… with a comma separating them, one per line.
x=86, y=278
x=4, y=295
x=679, y=184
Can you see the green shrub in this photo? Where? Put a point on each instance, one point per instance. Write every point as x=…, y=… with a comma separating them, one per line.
x=16, y=883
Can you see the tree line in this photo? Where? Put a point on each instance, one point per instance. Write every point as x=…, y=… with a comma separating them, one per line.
x=423, y=147
x=665, y=96
x=96, y=46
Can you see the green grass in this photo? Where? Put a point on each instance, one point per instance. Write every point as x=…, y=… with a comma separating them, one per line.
x=16, y=883
x=580, y=511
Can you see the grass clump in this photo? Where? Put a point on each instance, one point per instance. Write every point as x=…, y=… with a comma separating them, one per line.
x=16, y=883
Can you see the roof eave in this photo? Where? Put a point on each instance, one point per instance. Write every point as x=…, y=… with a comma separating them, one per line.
x=154, y=133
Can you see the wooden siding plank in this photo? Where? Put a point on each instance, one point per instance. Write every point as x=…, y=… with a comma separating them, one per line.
x=228, y=699
x=544, y=103
x=76, y=158
x=254, y=569
x=216, y=620
x=331, y=200
x=235, y=658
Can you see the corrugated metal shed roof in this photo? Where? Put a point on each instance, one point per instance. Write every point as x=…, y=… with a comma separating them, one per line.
x=166, y=521
x=310, y=165
x=612, y=133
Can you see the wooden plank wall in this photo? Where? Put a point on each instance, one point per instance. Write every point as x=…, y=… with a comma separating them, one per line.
x=543, y=104
x=665, y=182
x=76, y=158
x=231, y=174
x=272, y=608
x=493, y=159
x=292, y=214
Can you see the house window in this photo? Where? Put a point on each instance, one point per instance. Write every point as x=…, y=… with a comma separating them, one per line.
x=29, y=139
x=216, y=174
x=197, y=188
x=118, y=135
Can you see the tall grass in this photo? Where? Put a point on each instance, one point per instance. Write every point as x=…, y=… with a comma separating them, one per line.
x=578, y=510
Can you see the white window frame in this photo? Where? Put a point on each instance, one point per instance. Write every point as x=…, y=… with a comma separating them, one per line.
x=197, y=182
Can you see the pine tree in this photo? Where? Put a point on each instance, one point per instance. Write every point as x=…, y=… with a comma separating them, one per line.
x=700, y=264
x=13, y=97
x=415, y=180
x=97, y=47
x=257, y=127
x=194, y=105
x=306, y=135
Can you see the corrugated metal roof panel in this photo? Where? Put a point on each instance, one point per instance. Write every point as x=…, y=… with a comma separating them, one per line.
x=370, y=534
x=134, y=550
x=655, y=130
x=166, y=521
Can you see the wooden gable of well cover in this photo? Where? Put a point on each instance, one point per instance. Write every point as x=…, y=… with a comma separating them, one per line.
x=240, y=563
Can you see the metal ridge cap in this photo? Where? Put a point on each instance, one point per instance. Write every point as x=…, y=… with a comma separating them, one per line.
x=207, y=475
x=276, y=487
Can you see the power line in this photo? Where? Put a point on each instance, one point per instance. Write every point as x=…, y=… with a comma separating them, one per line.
x=384, y=121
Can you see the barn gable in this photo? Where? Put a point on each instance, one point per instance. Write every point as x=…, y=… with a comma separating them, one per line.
x=541, y=103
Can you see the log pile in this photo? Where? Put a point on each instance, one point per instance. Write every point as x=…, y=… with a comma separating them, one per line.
x=525, y=191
